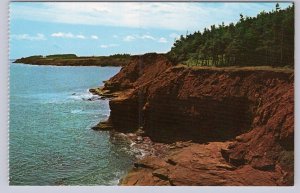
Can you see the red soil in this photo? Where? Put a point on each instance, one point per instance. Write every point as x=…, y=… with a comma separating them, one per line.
x=241, y=122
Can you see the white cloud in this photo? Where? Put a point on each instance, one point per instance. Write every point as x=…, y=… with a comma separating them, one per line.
x=163, y=15
x=80, y=36
x=162, y=40
x=62, y=35
x=115, y=36
x=36, y=37
x=146, y=37
x=129, y=38
x=68, y=35
x=174, y=35
x=94, y=37
x=108, y=45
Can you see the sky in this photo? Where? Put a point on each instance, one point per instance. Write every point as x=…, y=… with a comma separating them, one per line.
x=103, y=28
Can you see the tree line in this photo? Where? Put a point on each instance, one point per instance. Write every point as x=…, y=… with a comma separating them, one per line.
x=264, y=40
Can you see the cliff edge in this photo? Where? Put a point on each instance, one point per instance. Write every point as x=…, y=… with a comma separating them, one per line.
x=230, y=126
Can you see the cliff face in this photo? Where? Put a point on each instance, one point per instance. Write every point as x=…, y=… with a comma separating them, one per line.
x=242, y=118
x=141, y=70
x=126, y=109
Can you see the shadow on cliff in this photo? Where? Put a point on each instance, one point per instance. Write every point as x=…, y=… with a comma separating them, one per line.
x=199, y=120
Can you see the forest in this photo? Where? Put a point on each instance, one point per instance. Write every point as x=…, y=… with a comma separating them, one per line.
x=264, y=40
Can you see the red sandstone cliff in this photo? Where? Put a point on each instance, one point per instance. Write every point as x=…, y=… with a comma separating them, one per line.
x=240, y=121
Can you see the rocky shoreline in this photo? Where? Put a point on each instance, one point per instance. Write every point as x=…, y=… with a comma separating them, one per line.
x=204, y=126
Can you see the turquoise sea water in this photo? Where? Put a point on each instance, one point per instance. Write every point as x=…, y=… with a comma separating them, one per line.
x=50, y=140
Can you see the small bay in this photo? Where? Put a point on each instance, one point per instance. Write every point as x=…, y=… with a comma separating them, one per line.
x=50, y=140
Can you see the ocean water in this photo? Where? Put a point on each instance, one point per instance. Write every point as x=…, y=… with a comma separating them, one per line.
x=50, y=140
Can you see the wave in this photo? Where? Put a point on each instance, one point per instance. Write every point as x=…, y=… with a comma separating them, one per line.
x=76, y=111
x=86, y=96
x=58, y=98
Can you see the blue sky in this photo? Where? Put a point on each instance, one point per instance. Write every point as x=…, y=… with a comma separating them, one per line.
x=91, y=28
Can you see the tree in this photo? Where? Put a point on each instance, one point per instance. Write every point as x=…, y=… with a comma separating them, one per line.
x=267, y=39
x=277, y=7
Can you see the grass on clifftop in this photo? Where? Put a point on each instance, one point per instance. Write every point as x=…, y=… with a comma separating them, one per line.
x=286, y=69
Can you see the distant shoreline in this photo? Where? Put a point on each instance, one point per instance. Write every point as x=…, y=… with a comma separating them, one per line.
x=73, y=60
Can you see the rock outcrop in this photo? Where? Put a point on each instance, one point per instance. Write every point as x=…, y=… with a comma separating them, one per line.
x=199, y=165
x=240, y=120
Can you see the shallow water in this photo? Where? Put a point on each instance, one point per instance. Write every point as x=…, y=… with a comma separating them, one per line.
x=51, y=142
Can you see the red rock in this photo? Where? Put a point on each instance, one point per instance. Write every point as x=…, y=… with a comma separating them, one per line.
x=199, y=164
x=252, y=108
